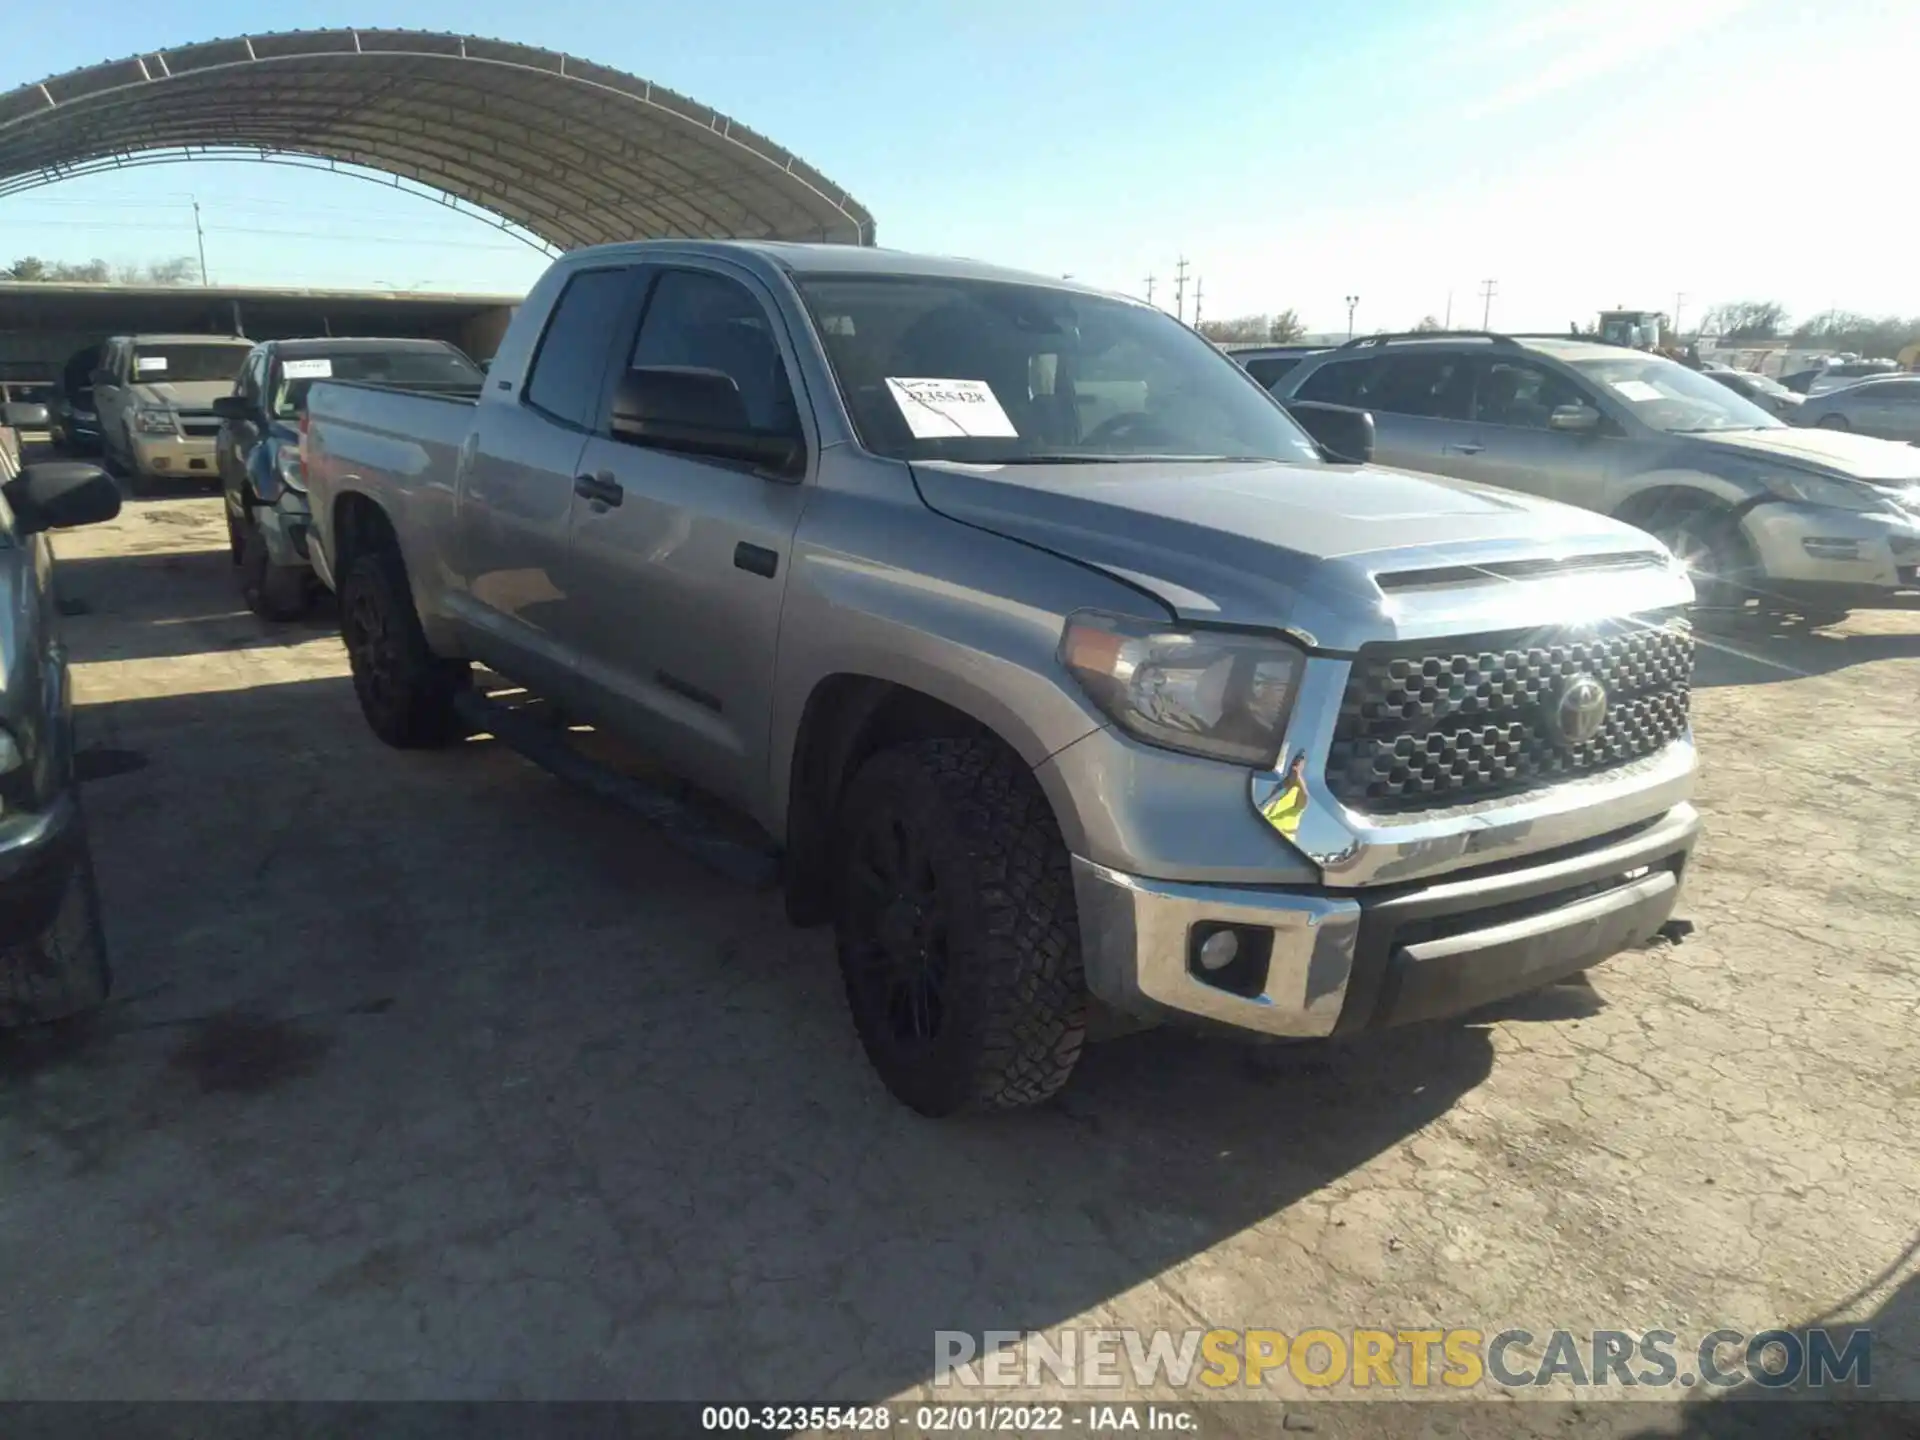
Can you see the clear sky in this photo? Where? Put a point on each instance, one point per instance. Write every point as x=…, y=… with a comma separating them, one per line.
x=1583, y=153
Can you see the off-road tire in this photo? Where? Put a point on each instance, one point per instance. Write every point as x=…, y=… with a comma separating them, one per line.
x=63, y=971
x=273, y=592
x=1013, y=1000
x=406, y=691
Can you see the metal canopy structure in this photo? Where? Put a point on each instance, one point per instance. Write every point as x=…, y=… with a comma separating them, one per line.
x=563, y=150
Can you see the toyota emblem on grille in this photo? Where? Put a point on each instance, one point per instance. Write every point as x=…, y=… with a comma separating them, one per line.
x=1580, y=712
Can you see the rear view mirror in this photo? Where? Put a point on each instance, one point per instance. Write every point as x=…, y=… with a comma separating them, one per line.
x=60, y=494
x=1574, y=419
x=232, y=407
x=1345, y=436
x=700, y=412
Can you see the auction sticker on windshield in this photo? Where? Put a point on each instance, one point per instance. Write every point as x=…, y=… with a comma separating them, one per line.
x=146, y=363
x=950, y=409
x=307, y=369
x=1638, y=390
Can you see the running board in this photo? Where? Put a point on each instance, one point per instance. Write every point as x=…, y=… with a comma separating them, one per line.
x=683, y=826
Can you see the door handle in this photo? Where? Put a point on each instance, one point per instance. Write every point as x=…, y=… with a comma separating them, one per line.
x=602, y=487
x=756, y=559
x=1470, y=448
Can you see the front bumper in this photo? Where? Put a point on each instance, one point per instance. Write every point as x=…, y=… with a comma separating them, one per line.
x=287, y=527
x=1808, y=547
x=1327, y=961
x=38, y=852
x=175, y=455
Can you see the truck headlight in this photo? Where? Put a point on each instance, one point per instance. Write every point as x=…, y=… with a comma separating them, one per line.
x=1219, y=693
x=1816, y=490
x=155, y=422
x=290, y=468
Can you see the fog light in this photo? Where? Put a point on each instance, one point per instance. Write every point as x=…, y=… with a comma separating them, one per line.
x=1218, y=950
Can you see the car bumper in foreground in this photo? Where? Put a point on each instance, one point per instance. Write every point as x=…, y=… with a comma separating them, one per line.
x=1806, y=548
x=1312, y=962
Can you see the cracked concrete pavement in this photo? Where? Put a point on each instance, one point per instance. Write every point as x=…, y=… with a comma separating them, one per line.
x=429, y=1076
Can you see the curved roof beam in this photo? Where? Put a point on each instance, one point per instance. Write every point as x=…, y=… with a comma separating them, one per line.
x=569, y=151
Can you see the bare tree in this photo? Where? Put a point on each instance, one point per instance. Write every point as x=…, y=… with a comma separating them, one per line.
x=1845, y=330
x=182, y=270
x=1281, y=329
x=1745, y=320
x=27, y=267
x=1286, y=327
x=1428, y=322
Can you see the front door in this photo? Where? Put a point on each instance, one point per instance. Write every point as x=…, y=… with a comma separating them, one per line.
x=1514, y=401
x=679, y=561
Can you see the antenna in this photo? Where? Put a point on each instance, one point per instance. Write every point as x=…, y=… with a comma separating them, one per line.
x=200, y=238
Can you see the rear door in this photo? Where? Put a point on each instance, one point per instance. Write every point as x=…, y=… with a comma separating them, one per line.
x=679, y=560
x=515, y=503
x=1889, y=409
x=1515, y=396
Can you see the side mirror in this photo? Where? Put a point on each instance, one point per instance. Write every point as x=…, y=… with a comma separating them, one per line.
x=232, y=407
x=1574, y=419
x=1345, y=436
x=60, y=494
x=700, y=412
x=18, y=415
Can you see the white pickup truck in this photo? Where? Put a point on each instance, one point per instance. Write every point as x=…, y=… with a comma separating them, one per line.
x=1052, y=655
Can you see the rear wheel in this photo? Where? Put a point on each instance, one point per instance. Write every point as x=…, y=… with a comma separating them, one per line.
x=958, y=942
x=1835, y=422
x=405, y=690
x=63, y=971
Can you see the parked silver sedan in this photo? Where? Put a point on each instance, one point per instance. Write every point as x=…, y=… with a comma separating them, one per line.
x=1889, y=409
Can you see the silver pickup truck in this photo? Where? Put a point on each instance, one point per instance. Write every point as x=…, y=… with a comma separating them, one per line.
x=1058, y=658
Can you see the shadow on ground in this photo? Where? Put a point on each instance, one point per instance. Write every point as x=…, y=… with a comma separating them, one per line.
x=1766, y=650
x=432, y=1076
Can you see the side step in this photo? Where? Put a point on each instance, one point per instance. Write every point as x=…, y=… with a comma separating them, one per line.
x=684, y=826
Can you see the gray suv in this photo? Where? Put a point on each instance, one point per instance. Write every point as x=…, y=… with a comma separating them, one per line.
x=1811, y=521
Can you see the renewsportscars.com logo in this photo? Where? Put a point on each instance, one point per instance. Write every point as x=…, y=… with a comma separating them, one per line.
x=1375, y=1360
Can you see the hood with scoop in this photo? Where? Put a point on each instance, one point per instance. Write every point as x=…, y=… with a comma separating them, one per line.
x=1275, y=544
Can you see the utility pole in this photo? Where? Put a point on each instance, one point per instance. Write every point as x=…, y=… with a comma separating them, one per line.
x=1679, y=300
x=1198, y=283
x=1488, y=289
x=1447, y=324
x=200, y=238
x=1180, y=289
x=1150, y=280
x=1353, y=302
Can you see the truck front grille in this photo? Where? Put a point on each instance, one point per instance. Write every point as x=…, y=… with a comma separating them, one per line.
x=1421, y=727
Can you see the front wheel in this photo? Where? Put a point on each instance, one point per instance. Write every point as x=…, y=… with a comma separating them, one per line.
x=63, y=971
x=406, y=691
x=273, y=592
x=958, y=942
x=1834, y=422
x=1709, y=545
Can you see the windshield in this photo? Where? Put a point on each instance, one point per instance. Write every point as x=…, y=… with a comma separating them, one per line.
x=414, y=368
x=170, y=364
x=994, y=373
x=1673, y=398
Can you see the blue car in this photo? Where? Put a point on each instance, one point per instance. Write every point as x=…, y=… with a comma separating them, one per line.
x=258, y=448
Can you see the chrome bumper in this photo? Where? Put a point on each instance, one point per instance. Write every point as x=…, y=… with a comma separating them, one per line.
x=1342, y=962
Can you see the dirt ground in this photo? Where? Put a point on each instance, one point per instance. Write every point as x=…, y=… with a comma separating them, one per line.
x=430, y=1076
